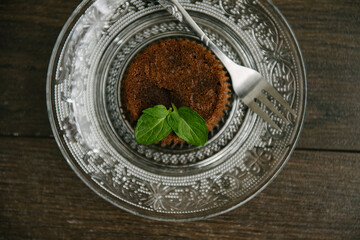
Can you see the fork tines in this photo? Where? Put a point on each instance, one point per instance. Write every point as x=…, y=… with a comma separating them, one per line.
x=262, y=98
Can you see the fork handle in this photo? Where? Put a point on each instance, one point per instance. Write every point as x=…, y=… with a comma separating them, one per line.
x=178, y=11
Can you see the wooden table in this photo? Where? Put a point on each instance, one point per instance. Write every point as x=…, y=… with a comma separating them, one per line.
x=316, y=196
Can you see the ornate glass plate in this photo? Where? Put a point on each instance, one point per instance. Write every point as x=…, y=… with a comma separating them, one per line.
x=180, y=183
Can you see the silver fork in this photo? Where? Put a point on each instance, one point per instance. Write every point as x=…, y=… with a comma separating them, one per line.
x=247, y=83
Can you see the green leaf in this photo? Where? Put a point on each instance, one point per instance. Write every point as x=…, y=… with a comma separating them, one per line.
x=158, y=111
x=152, y=125
x=188, y=125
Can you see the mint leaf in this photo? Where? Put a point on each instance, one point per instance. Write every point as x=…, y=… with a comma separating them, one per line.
x=157, y=122
x=188, y=125
x=152, y=125
x=158, y=111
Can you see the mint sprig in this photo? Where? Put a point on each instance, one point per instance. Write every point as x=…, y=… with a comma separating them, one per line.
x=158, y=122
x=152, y=125
x=188, y=125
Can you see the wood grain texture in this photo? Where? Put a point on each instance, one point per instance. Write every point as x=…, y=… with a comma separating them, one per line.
x=328, y=32
x=28, y=31
x=316, y=196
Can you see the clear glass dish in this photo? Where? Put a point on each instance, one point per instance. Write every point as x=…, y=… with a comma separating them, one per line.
x=243, y=153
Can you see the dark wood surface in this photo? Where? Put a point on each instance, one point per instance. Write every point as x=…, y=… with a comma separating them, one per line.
x=316, y=196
